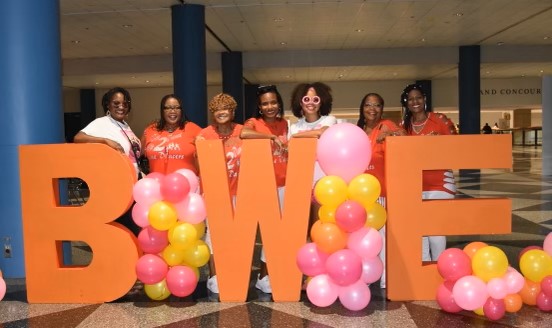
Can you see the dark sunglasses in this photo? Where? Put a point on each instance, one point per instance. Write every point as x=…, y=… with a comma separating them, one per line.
x=266, y=88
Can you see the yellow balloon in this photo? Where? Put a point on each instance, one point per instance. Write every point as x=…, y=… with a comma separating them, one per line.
x=376, y=216
x=182, y=235
x=158, y=291
x=197, y=254
x=172, y=255
x=535, y=264
x=331, y=190
x=326, y=213
x=200, y=229
x=364, y=188
x=489, y=262
x=162, y=215
x=479, y=311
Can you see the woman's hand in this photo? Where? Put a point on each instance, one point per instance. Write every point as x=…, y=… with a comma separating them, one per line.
x=279, y=144
x=115, y=145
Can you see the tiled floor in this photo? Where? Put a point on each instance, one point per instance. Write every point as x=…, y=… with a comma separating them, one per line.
x=531, y=196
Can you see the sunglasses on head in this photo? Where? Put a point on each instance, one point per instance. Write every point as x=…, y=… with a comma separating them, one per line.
x=266, y=88
x=308, y=100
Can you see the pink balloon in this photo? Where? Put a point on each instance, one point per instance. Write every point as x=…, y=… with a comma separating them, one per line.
x=494, y=309
x=311, y=261
x=140, y=214
x=544, y=302
x=193, y=180
x=547, y=245
x=152, y=241
x=344, y=150
x=181, y=280
x=366, y=242
x=470, y=293
x=546, y=285
x=174, y=187
x=356, y=296
x=372, y=269
x=445, y=299
x=157, y=176
x=514, y=280
x=146, y=192
x=191, y=209
x=321, y=291
x=151, y=269
x=344, y=267
x=454, y=264
x=497, y=288
x=2, y=288
x=350, y=216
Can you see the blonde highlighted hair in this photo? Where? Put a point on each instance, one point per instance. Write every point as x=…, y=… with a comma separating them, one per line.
x=222, y=101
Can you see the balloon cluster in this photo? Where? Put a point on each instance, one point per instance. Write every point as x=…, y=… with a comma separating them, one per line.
x=171, y=214
x=478, y=278
x=342, y=258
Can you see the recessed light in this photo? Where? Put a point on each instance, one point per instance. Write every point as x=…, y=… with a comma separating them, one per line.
x=133, y=77
x=283, y=43
x=546, y=37
x=127, y=25
x=278, y=19
x=166, y=47
x=423, y=40
x=522, y=75
x=97, y=83
x=459, y=14
x=542, y=71
x=75, y=41
x=394, y=73
x=499, y=43
x=147, y=81
x=487, y=72
x=288, y=76
x=359, y=30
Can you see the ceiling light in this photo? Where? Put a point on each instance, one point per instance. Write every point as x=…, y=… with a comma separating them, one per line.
x=542, y=71
x=127, y=25
x=522, y=75
x=147, y=81
x=278, y=19
x=283, y=43
x=75, y=41
x=359, y=30
x=546, y=37
x=459, y=14
x=423, y=40
x=499, y=43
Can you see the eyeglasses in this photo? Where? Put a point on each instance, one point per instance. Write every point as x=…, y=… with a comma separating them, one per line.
x=266, y=88
x=310, y=100
x=371, y=105
x=169, y=108
x=118, y=104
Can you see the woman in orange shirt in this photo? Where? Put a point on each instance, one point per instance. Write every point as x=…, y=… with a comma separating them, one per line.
x=419, y=120
x=269, y=123
x=169, y=142
x=377, y=129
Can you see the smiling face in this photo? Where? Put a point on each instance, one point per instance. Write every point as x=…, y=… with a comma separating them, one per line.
x=268, y=105
x=310, y=104
x=172, y=111
x=223, y=115
x=373, y=109
x=118, y=107
x=415, y=101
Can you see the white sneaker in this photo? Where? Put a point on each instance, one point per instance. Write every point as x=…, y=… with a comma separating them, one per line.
x=263, y=284
x=212, y=284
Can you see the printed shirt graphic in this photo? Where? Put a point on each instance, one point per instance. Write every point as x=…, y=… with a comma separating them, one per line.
x=232, y=149
x=168, y=152
x=280, y=129
x=437, y=180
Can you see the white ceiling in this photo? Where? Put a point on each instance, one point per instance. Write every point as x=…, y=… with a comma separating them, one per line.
x=128, y=42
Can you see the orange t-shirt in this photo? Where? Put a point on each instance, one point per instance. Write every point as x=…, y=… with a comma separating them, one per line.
x=436, y=124
x=278, y=128
x=168, y=152
x=377, y=162
x=232, y=149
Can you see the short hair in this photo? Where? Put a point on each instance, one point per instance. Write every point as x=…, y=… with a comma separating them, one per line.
x=161, y=123
x=222, y=100
x=322, y=90
x=109, y=95
x=261, y=90
x=361, y=121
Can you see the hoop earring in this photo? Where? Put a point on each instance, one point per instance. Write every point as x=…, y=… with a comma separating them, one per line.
x=261, y=112
x=425, y=107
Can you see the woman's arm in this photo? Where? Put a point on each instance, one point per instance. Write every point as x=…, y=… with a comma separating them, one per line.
x=310, y=133
x=82, y=137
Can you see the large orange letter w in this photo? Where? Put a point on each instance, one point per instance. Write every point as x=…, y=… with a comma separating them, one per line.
x=233, y=234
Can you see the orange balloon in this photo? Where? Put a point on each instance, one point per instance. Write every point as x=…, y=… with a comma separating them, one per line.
x=328, y=237
x=529, y=292
x=326, y=213
x=513, y=303
x=473, y=247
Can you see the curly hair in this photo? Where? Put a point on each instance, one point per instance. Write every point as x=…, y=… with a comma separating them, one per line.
x=222, y=100
x=109, y=95
x=361, y=120
x=322, y=90
x=160, y=124
x=261, y=90
x=407, y=115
